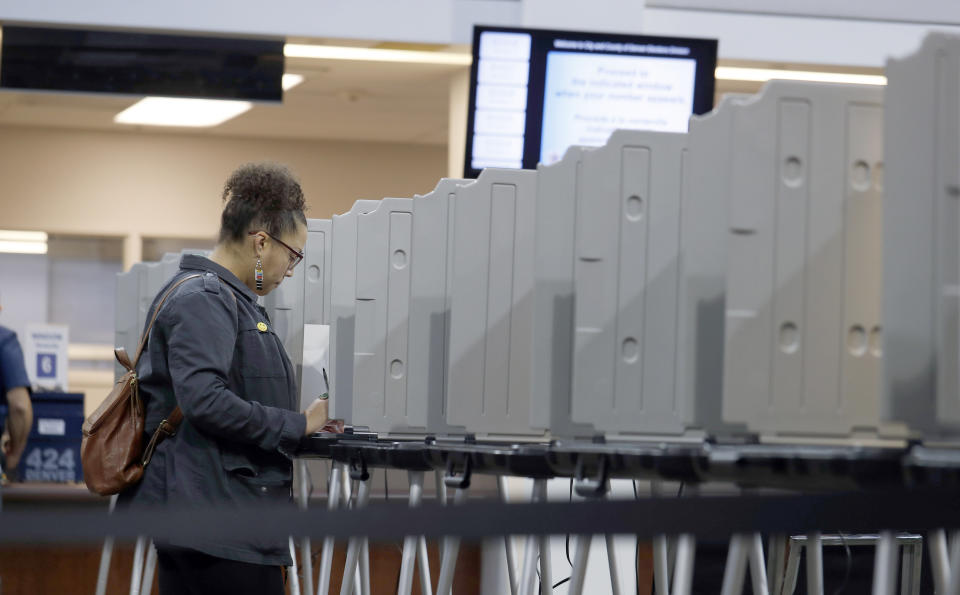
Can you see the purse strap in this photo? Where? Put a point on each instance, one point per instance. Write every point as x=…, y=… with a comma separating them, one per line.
x=168, y=427
x=156, y=312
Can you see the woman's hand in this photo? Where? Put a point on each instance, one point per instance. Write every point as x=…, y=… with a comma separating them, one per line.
x=317, y=415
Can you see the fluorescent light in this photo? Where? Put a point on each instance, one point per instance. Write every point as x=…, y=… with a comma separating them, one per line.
x=331, y=52
x=14, y=247
x=737, y=73
x=22, y=236
x=168, y=111
x=23, y=242
x=291, y=80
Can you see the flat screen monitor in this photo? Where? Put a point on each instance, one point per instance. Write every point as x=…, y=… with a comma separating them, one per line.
x=535, y=92
x=121, y=62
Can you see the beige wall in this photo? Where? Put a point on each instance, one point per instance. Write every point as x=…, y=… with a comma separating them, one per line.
x=162, y=184
x=168, y=185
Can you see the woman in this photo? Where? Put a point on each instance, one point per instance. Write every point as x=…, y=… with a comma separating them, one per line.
x=212, y=351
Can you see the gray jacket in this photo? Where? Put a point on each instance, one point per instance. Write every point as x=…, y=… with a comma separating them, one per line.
x=212, y=350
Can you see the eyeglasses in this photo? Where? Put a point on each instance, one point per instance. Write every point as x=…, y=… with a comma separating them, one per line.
x=295, y=255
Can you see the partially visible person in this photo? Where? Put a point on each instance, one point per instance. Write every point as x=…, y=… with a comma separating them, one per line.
x=15, y=392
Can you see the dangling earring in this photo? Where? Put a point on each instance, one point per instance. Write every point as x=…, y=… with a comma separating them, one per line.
x=258, y=274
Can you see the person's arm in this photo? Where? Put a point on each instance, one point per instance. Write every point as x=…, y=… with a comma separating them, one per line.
x=201, y=330
x=19, y=422
x=17, y=392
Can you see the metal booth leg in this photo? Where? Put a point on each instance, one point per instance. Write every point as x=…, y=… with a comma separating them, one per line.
x=423, y=564
x=939, y=560
x=536, y=548
x=661, y=567
x=744, y=549
x=683, y=571
x=953, y=543
x=596, y=486
x=293, y=571
x=507, y=540
x=686, y=553
x=451, y=545
x=326, y=556
x=408, y=558
x=136, y=576
x=105, y=555
x=776, y=560
x=954, y=585
x=885, y=565
x=814, y=564
x=546, y=568
x=358, y=473
x=612, y=564
x=758, y=572
x=661, y=558
x=303, y=501
x=365, y=567
x=736, y=568
x=789, y=583
x=911, y=564
x=579, y=571
x=146, y=584
x=441, y=487
x=530, y=553
x=451, y=549
x=438, y=477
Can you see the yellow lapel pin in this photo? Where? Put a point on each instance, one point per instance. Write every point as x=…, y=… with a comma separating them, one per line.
x=262, y=327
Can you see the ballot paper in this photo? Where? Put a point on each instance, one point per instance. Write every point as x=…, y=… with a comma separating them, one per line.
x=316, y=343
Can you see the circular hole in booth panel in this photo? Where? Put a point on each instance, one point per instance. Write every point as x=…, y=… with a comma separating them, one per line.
x=634, y=208
x=793, y=171
x=630, y=350
x=876, y=341
x=396, y=369
x=878, y=173
x=857, y=340
x=860, y=176
x=789, y=337
x=399, y=259
x=313, y=273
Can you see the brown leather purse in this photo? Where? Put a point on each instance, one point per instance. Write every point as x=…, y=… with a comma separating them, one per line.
x=112, y=452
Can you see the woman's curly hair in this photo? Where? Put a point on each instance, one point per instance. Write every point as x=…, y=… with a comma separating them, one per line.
x=263, y=196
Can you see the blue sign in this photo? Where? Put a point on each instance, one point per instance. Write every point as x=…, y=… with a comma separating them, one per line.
x=46, y=365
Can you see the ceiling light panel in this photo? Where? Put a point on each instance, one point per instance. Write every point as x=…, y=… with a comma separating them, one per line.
x=330, y=52
x=291, y=80
x=737, y=73
x=192, y=113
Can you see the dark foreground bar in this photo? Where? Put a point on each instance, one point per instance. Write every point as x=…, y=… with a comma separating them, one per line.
x=706, y=517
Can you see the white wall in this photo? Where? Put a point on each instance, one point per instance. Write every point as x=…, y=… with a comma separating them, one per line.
x=787, y=38
x=856, y=32
x=425, y=21
x=24, y=280
x=915, y=11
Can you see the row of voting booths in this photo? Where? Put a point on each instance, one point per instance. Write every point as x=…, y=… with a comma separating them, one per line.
x=780, y=282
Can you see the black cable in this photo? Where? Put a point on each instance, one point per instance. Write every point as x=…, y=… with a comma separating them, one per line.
x=539, y=578
x=636, y=550
x=680, y=491
x=846, y=575
x=567, y=547
x=567, y=550
x=566, y=580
